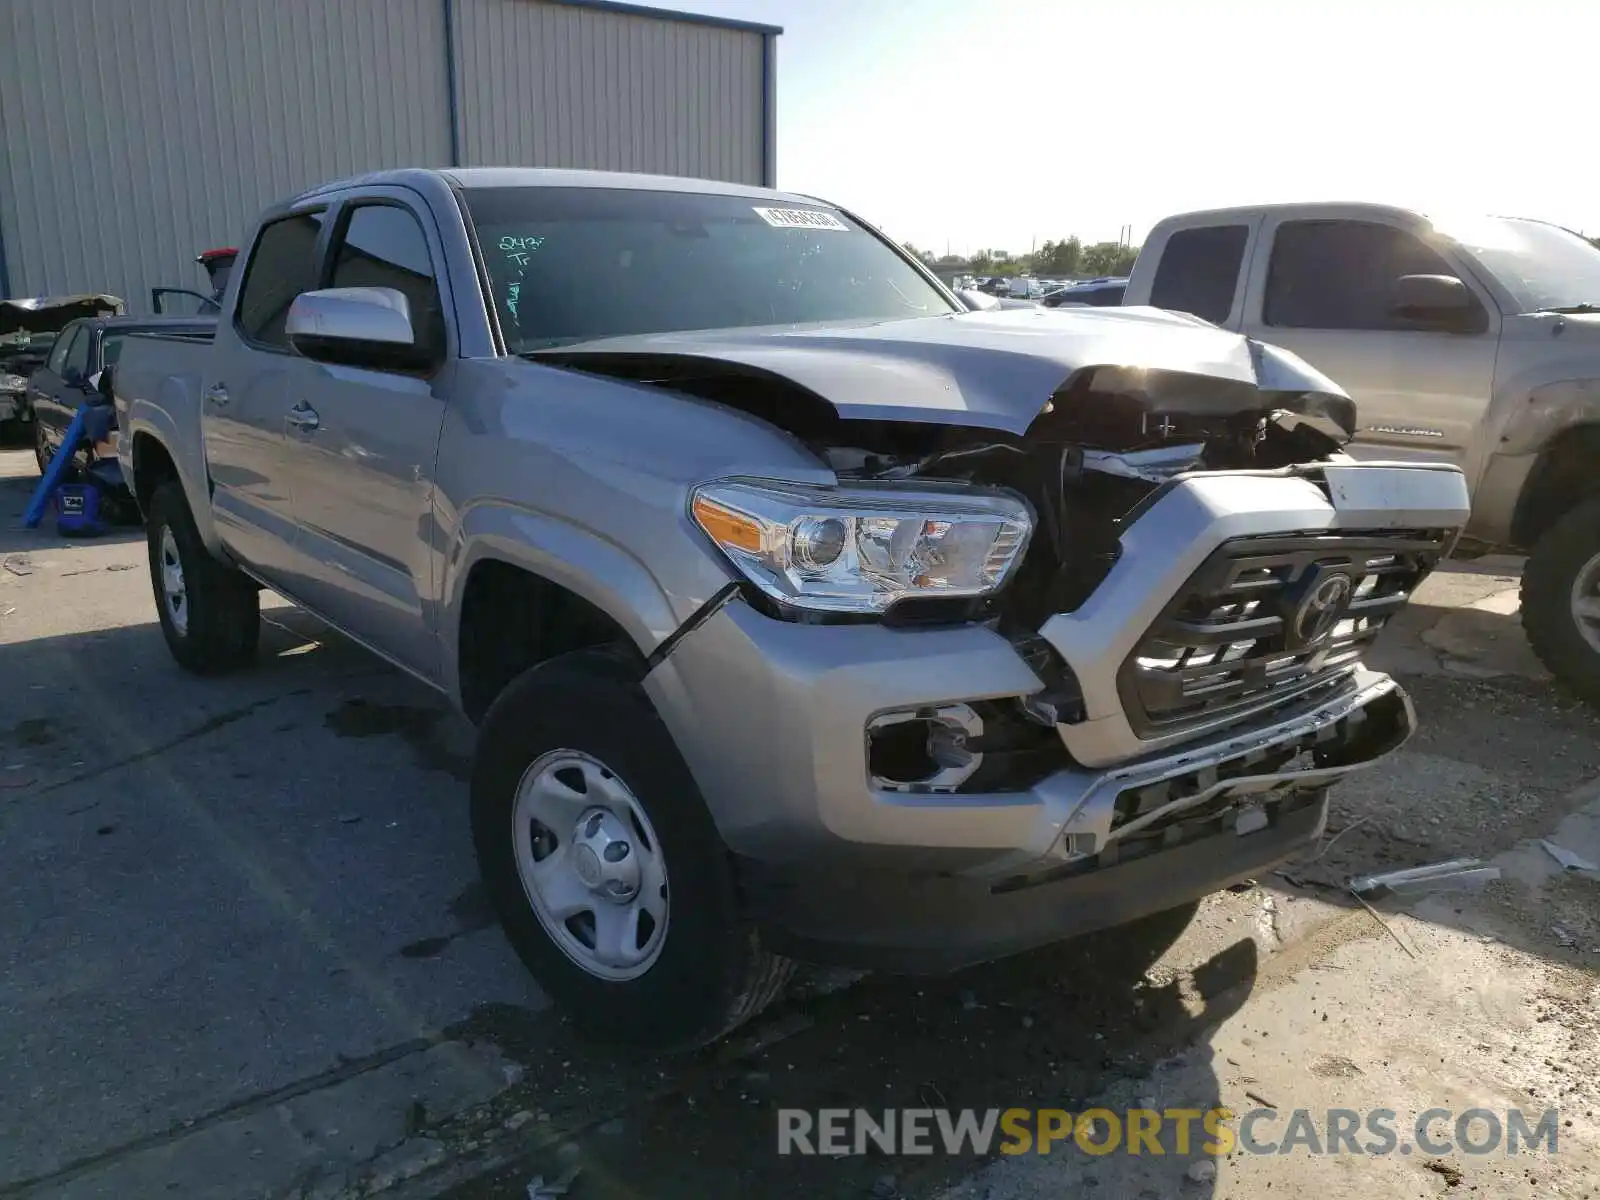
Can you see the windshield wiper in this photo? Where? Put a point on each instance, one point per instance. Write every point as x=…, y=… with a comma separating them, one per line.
x=1569, y=310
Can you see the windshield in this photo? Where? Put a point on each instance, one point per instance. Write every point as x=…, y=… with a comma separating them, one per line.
x=571, y=264
x=1542, y=266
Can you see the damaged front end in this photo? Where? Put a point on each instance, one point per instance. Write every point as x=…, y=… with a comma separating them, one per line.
x=1157, y=599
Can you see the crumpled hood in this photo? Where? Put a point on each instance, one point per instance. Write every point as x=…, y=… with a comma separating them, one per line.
x=994, y=369
x=49, y=314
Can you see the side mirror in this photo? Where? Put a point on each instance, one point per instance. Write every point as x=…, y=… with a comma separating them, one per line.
x=72, y=377
x=357, y=327
x=977, y=301
x=1438, y=300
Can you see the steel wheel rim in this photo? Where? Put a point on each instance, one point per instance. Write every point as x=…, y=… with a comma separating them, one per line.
x=1586, y=602
x=174, y=596
x=605, y=907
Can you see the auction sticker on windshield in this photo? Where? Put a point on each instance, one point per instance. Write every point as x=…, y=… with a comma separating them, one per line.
x=801, y=218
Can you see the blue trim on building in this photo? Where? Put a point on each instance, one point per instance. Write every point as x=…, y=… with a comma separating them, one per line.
x=452, y=92
x=769, y=111
x=672, y=14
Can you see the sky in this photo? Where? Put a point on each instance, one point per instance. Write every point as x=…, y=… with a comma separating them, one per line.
x=968, y=124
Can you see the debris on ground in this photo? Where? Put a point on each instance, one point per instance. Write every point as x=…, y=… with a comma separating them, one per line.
x=1458, y=874
x=1451, y=1175
x=538, y=1189
x=18, y=565
x=1569, y=861
x=1201, y=1171
x=1565, y=936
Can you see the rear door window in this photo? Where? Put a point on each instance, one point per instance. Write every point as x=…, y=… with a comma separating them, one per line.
x=1199, y=271
x=282, y=265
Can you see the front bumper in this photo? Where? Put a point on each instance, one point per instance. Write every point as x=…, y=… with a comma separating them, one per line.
x=771, y=717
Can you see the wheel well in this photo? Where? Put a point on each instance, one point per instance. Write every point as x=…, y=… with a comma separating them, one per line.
x=1564, y=475
x=152, y=466
x=512, y=619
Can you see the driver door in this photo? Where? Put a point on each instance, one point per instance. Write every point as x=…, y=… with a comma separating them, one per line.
x=1327, y=292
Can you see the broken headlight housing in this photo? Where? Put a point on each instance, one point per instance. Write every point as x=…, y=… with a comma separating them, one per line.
x=864, y=549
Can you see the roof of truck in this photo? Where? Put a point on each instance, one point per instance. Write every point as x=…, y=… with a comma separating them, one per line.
x=501, y=177
x=1241, y=211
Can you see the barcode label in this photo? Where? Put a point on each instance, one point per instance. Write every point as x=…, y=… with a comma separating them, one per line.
x=801, y=218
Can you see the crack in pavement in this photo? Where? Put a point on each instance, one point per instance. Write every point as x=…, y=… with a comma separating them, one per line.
x=210, y=725
x=248, y=1106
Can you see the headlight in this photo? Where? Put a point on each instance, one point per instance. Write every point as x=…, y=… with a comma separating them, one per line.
x=13, y=383
x=862, y=550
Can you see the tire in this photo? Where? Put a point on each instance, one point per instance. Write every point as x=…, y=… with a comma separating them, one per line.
x=41, y=455
x=709, y=972
x=1569, y=551
x=217, y=625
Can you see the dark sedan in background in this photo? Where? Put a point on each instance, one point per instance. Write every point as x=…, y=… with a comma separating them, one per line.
x=82, y=350
x=1101, y=293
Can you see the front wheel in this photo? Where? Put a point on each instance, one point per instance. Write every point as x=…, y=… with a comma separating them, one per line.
x=604, y=864
x=41, y=449
x=210, y=613
x=1561, y=600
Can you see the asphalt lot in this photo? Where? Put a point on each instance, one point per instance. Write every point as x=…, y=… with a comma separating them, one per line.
x=246, y=954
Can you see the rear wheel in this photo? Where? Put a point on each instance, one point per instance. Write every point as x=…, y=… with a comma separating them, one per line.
x=604, y=864
x=1561, y=600
x=210, y=613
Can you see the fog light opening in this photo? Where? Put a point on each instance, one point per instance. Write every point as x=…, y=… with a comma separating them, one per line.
x=923, y=750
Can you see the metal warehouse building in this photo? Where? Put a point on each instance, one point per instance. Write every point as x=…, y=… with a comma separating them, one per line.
x=136, y=133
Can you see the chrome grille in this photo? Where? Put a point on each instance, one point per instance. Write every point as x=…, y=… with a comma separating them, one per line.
x=1267, y=617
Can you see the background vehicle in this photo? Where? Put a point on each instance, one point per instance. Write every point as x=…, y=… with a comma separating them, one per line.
x=27, y=332
x=1473, y=341
x=67, y=380
x=1099, y=293
x=770, y=661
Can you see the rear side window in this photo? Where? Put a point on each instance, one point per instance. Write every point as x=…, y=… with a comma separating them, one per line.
x=384, y=246
x=1341, y=274
x=1199, y=271
x=282, y=265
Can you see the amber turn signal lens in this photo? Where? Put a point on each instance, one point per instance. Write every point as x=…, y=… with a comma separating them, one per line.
x=726, y=527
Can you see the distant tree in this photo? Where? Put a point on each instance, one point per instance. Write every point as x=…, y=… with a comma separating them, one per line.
x=982, y=262
x=1059, y=258
x=1109, y=258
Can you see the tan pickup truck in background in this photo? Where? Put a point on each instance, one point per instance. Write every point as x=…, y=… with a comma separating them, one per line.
x=1475, y=341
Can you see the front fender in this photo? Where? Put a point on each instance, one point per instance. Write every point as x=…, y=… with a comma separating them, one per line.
x=1550, y=411
x=578, y=559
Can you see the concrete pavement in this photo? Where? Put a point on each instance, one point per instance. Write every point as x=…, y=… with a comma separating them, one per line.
x=246, y=953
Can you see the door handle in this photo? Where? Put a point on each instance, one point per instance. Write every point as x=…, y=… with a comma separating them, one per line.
x=303, y=417
x=217, y=394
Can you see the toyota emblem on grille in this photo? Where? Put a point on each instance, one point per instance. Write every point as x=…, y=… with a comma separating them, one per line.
x=1317, y=606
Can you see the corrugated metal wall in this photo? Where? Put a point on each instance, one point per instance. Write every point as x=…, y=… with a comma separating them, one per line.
x=558, y=85
x=137, y=134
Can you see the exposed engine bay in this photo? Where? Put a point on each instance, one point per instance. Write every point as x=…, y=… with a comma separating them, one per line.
x=1098, y=448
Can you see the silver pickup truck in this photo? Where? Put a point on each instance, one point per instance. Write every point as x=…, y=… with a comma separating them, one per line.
x=805, y=614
